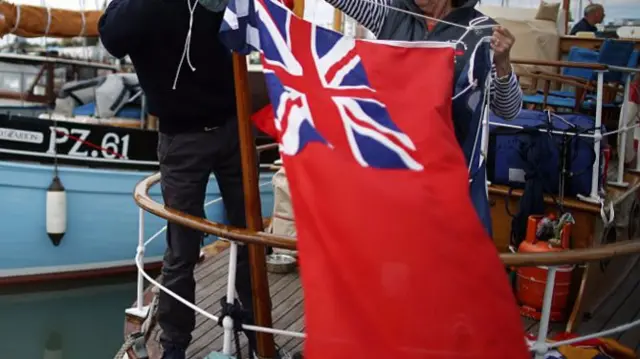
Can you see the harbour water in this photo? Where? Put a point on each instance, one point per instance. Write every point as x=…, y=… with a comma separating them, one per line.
x=71, y=320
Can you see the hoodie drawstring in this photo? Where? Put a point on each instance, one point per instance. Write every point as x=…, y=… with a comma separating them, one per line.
x=187, y=44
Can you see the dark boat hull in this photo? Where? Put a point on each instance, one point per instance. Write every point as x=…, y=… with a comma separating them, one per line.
x=86, y=145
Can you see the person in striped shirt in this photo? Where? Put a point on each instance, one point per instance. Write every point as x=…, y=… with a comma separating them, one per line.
x=506, y=99
x=454, y=21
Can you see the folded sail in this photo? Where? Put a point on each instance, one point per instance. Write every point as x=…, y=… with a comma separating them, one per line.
x=37, y=21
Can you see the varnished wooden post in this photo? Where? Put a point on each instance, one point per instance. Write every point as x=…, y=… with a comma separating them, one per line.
x=259, y=280
x=338, y=20
x=298, y=8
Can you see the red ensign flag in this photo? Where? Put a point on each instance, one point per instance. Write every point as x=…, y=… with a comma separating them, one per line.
x=394, y=261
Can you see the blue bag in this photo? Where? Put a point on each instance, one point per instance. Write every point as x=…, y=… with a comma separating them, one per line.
x=508, y=151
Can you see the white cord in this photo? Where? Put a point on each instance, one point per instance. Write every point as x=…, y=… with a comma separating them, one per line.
x=18, y=16
x=187, y=44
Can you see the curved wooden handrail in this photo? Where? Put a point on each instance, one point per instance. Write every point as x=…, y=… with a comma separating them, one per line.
x=552, y=63
x=142, y=198
x=556, y=78
x=575, y=256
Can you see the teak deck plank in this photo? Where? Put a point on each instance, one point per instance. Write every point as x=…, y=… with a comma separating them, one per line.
x=621, y=307
x=631, y=338
x=628, y=311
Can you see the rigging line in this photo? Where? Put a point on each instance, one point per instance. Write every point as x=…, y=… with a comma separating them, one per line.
x=423, y=16
x=51, y=70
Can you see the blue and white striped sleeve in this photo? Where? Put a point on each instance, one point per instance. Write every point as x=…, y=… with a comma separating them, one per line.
x=506, y=95
x=369, y=13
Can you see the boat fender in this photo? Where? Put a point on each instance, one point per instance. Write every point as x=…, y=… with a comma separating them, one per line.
x=53, y=347
x=56, y=211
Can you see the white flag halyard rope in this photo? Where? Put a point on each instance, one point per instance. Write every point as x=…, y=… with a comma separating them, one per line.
x=140, y=266
x=186, y=52
x=83, y=30
x=18, y=17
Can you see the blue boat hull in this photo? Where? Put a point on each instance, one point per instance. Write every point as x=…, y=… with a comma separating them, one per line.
x=102, y=221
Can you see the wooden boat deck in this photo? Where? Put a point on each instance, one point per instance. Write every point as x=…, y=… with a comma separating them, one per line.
x=211, y=277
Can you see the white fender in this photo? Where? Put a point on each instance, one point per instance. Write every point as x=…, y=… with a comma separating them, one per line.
x=56, y=211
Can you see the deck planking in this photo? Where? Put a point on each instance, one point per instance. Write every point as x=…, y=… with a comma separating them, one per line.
x=620, y=307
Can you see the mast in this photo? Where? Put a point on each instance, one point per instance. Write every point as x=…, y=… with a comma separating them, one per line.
x=338, y=18
x=257, y=253
x=298, y=8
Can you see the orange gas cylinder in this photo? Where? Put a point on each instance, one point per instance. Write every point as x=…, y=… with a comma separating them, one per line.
x=531, y=281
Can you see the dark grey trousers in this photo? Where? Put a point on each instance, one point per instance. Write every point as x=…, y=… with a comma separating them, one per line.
x=186, y=162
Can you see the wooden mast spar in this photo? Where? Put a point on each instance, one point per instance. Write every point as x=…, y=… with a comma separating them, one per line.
x=253, y=212
x=259, y=281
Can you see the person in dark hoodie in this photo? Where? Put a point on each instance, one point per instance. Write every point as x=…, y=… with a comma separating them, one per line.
x=187, y=77
x=412, y=20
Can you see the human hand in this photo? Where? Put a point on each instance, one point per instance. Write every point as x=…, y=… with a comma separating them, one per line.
x=501, y=42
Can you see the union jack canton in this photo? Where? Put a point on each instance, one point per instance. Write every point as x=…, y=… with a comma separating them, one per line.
x=319, y=88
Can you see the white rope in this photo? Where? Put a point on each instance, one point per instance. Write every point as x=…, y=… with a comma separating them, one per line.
x=83, y=30
x=125, y=347
x=85, y=49
x=560, y=132
x=18, y=17
x=46, y=30
x=187, y=44
x=470, y=27
x=472, y=81
x=140, y=265
x=480, y=129
x=163, y=229
x=603, y=213
x=623, y=129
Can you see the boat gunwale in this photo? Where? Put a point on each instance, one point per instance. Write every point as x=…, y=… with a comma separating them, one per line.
x=573, y=256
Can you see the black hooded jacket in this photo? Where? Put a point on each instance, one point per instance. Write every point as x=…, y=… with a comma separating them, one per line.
x=153, y=34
